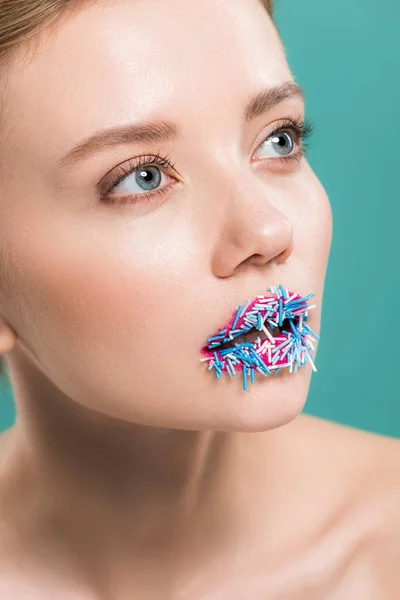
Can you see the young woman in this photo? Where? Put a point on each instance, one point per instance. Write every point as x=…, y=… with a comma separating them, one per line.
x=152, y=181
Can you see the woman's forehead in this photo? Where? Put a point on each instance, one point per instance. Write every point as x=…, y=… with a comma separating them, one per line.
x=112, y=64
x=143, y=39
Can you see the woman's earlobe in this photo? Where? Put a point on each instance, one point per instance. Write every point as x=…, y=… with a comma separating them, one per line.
x=8, y=337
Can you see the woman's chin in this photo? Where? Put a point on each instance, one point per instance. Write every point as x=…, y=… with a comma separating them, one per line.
x=267, y=404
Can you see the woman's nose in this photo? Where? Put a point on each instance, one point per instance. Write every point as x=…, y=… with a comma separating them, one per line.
x=250, y=230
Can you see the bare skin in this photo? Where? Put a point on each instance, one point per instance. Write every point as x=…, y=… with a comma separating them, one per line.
x=324, y=523
x=130, y=469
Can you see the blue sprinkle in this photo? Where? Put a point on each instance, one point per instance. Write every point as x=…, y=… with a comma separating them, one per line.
x=236, y=317
x=282, y=291
x=218, y=362
x=308, y=297
x=252, y=375
x=311, y=331
x=215, y=337
x=243, y=359
x=244, y=377
x=258, y=360
x=276, y=358
x=225, y=351
x=263, y=372
x=245, y=308
x=251, y=319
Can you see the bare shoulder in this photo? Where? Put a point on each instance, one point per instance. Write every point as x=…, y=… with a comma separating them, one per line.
x=365, y=463
x=366, y=468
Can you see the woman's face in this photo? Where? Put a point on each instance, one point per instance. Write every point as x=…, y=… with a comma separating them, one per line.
x=111, y=302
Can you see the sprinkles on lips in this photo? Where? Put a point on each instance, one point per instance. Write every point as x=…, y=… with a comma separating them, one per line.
x=271, y=333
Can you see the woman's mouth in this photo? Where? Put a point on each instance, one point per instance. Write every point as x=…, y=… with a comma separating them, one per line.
x=266, y=334
x=254, y=334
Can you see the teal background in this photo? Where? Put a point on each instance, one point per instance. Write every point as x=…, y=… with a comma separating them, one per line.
x=346, y=56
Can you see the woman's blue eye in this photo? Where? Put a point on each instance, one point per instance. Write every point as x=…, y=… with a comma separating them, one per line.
x=146, y=178
x=281, y=142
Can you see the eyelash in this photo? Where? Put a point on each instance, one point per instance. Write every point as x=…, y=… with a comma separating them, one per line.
x=303, y=129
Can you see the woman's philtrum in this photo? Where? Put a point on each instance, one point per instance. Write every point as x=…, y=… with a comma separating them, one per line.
x=284, y=338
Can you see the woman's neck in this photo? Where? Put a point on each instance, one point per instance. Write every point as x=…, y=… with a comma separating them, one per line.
x=107, y=493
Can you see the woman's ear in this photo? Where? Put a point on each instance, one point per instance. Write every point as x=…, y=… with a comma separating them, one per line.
x=8, y=337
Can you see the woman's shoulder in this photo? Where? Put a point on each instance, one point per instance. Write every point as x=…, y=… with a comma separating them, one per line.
x=373, y=458
x=363, y=469
x=365, y=465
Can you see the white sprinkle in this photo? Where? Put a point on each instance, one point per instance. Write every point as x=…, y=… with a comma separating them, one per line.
x=311, y=344
x=311, y=361
x=267, y=333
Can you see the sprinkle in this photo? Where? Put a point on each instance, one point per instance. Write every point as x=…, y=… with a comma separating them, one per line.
x=244, y=377
x=231, y=370
x=236, y=317
x=215, y=337
x=251, y=319
x=311, y=331
x=276, y=358
x=280, y=312
x=214, y=344
x=290, y=348
x=262, y=372
x=268, y=334
x=245, y=308
x=311, y=361
x=311, y=344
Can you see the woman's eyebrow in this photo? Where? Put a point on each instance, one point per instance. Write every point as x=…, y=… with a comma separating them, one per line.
x=163, y=131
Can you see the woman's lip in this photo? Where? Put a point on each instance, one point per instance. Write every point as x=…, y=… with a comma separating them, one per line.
x=237, y=320
x=266, y=333
x=290, y=348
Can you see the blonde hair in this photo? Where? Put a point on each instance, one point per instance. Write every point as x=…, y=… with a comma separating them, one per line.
x=21, y=22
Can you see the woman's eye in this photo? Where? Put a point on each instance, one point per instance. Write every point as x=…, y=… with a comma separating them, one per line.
x=140, y=180
x=278, y=144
